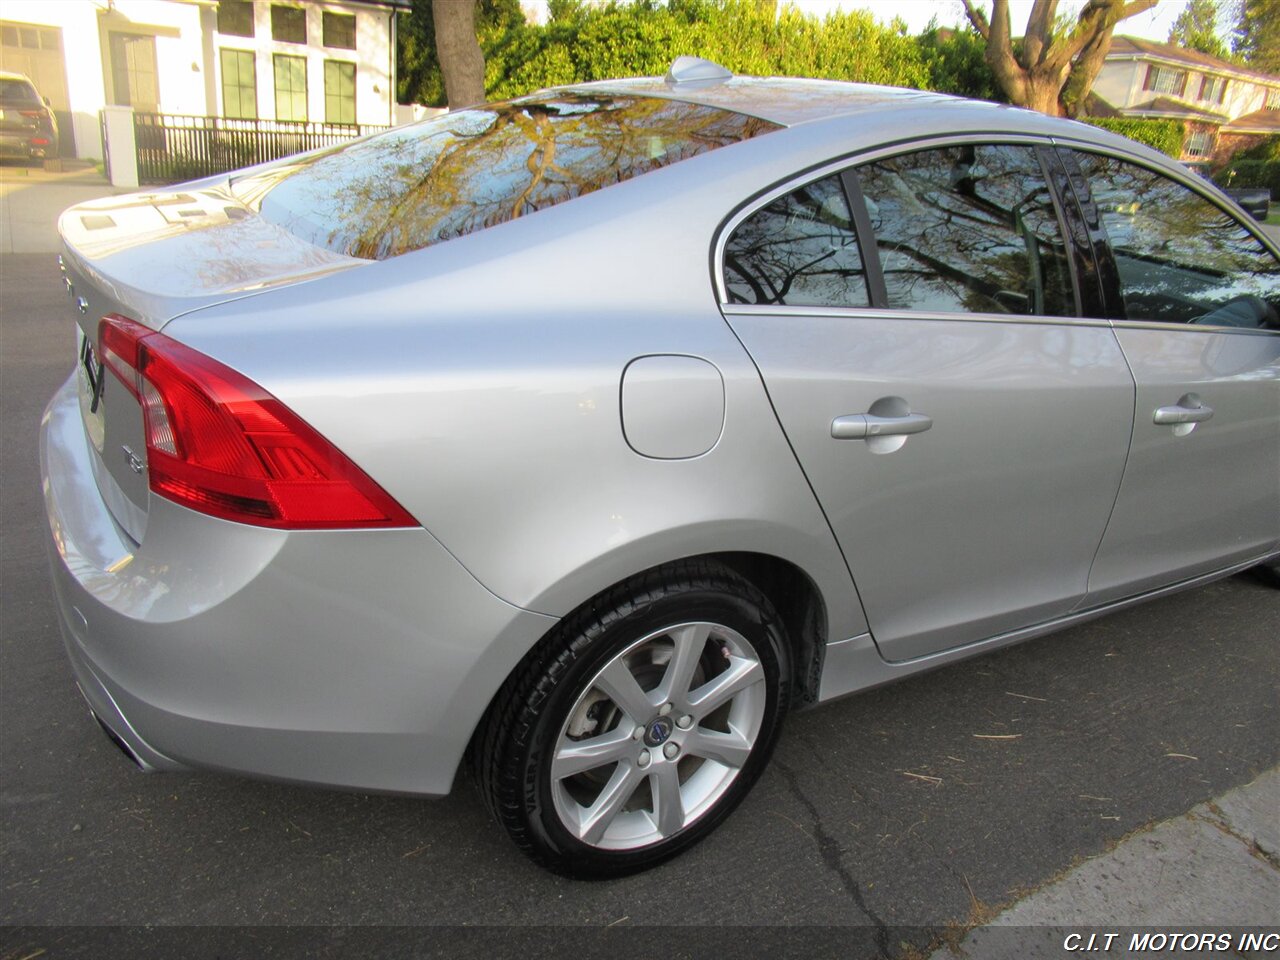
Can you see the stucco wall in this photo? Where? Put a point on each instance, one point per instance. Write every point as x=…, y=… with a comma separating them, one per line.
x=187, y=59
x=371, y=57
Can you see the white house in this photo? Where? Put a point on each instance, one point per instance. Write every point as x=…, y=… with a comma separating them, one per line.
x=1224, y=105
x=330, y=61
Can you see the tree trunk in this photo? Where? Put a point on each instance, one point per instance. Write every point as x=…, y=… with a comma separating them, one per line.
x=1052, y=74
x=458, y=50
x=1041, y=93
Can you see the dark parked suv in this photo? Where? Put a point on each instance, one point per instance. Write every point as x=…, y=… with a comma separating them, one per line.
x=27, y=128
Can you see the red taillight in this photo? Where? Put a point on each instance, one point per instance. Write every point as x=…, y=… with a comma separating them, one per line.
x=220, y=444
x=39, y=141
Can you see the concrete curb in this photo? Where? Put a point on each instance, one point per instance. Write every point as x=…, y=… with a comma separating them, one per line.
x=1215, y=869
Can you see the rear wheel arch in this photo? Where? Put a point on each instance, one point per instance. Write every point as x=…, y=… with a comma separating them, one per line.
x=793, y=593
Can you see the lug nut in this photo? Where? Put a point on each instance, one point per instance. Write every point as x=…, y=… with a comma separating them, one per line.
x=684, y=723
x=644, y=758
x=638, y=732
x=670, y=751
x=666, y=708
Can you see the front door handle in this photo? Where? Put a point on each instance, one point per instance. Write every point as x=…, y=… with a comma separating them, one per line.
x=1183, y=413
x=866, y=426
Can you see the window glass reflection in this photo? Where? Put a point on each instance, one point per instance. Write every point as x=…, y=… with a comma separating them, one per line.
x=968, y=229
x=798, y=250
x=1180, y=258
x=467, y=170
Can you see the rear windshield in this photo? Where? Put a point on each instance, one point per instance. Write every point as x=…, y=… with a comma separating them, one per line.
x=461, y=172
x=17, y=90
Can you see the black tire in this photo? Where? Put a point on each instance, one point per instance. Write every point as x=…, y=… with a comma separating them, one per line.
x=513, y=750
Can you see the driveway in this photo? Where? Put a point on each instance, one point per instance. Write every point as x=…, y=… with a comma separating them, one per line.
x=31, y=198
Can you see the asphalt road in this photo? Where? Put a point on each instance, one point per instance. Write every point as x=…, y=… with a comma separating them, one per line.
x=884, y=814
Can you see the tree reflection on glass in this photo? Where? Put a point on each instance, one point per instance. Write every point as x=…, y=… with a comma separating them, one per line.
x=800, y=249
x=1181, y=259
x=968, y=229
x=464, y=171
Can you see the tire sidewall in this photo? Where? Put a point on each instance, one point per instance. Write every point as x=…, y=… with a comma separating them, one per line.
x=754, y=621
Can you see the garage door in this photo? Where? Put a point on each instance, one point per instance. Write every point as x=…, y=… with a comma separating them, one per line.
x=37, y=52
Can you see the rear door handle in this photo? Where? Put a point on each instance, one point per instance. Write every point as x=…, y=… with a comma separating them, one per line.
x=1180, y=413
x=865, y=426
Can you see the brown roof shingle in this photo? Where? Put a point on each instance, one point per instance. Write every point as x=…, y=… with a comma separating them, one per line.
x=1131, y=46
x=1259, y=120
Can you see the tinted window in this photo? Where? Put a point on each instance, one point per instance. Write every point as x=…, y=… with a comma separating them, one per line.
x=969, y=228
x=339, y=30
x=1180, y=258
x=288, y=24
x=235, y=17
x=471, y=169
x=800, y=249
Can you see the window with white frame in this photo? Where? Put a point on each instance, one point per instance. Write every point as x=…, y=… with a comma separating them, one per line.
x=1213, y=89
x=339, y=91
x=1165, y=80
x=239, y=84
x=291, y=87
x=1199, y=143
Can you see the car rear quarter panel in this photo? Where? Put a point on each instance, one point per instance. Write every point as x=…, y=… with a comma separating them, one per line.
x=479, y=382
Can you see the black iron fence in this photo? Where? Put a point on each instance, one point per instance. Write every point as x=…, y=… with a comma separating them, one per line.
x=173, y=148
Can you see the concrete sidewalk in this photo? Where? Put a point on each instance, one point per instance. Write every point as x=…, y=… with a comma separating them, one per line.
x=1215, y=869
x=31, y=200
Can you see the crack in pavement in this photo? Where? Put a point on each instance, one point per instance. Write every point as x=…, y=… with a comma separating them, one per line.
x=833, y=857
x=955, y=872
x=1219, y=821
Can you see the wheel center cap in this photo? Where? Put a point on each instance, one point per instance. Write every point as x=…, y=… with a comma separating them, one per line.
x=658, y=732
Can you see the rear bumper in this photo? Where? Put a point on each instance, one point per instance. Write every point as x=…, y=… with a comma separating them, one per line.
x=16, y=145
x=355, y=659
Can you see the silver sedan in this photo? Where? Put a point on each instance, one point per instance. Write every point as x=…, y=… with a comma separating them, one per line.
x=584, y=436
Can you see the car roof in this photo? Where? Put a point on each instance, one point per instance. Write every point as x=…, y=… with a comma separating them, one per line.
x=787, y=101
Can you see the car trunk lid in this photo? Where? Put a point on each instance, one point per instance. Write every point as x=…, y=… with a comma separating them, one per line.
x=151, y=257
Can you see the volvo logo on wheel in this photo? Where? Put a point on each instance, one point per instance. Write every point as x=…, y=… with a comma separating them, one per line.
x=658, y=732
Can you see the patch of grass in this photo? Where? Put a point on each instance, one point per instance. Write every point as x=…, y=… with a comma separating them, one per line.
x=1273, y=217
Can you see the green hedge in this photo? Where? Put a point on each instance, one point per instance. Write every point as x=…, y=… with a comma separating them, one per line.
x=1267, y=148
x=583, y=42
x=1164, y=135
x=1251, y=173
x=640, y=39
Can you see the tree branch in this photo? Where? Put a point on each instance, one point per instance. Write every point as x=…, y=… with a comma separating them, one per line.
x=999, y=53
x=1098, y=17
x=1039, y=31
x=978, y=19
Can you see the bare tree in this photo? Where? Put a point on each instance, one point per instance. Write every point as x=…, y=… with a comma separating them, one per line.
x=1051, y=71
x=461, y=59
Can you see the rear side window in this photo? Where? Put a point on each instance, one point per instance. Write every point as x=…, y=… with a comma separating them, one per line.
x=465, y=171
x=1181, y=259
x=798, y=250
x=968, y=229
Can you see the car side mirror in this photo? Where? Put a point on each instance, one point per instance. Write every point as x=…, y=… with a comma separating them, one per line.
x=46, y=101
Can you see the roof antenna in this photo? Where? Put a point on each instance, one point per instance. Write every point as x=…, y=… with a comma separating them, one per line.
x=685, y=69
